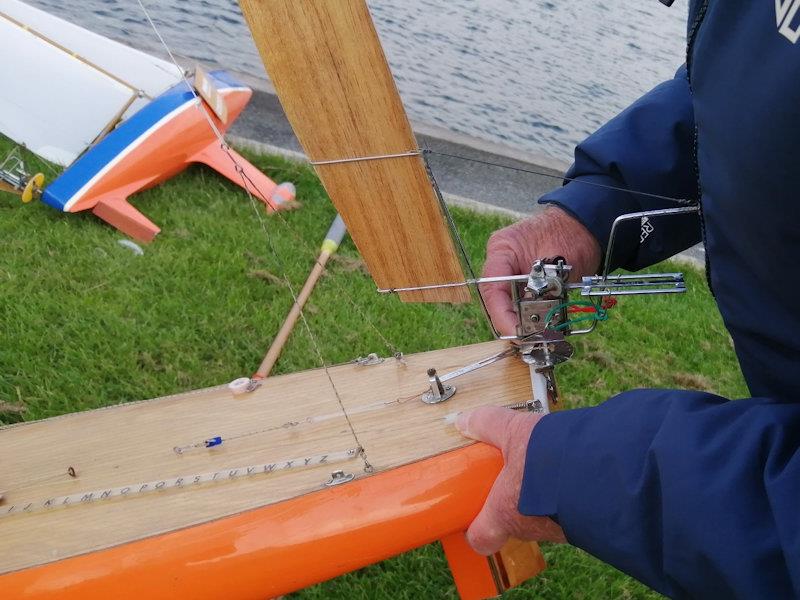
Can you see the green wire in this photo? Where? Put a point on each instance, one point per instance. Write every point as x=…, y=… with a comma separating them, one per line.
x=600, y=314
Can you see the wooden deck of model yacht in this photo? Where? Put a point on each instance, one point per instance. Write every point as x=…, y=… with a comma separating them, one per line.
x=288, y=417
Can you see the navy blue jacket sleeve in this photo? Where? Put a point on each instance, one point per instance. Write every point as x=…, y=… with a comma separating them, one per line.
x=649, y=147
x=692, y=494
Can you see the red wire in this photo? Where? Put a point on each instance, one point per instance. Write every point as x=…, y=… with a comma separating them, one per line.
x=581, y=309
x=607, y=302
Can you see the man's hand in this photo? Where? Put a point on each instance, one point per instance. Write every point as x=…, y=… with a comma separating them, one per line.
x=511, y=251
x=500, y=519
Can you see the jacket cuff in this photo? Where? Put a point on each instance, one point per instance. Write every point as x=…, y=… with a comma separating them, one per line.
x=542, y=476
x=596, y=208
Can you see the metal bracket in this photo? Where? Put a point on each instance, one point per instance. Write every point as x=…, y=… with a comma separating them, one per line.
x=243, y=385
x=538, y=299
x=438, y=391
x=368, y=360
x=339, y=477
x=533, y=316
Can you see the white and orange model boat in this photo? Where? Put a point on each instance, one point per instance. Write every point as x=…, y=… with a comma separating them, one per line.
x=118, y=119
x=153, y=145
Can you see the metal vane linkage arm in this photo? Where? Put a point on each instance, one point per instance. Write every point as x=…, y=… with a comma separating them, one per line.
x=547, y=316
x=644, y=218
x=591, y=285
x=631, y=285
x=439, y=392
x=485, y=362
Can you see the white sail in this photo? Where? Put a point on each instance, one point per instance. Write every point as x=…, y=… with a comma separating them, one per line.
x=63, y=86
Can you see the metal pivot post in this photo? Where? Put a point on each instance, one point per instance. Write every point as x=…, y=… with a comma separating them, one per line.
x=542, y=358
x=545, y=392
x=438, y=392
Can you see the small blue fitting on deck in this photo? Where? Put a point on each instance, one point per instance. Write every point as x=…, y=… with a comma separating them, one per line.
x=211, y=442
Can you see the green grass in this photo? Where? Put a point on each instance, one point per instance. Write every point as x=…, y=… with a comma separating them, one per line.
x=86, y=323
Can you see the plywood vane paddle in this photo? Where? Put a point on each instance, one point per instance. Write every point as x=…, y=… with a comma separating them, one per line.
x=328, y=67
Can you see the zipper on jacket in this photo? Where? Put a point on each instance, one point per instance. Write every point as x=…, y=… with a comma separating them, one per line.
x=691, y=37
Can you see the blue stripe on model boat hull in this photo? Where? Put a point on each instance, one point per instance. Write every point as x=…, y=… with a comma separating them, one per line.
x=69, y=183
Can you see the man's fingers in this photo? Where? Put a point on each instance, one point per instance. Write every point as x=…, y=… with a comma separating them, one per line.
x=488, y=424
x=497, y=297
x=488, y=533
x=500, y=261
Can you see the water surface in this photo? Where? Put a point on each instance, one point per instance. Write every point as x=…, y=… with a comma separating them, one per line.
x=535, y=75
